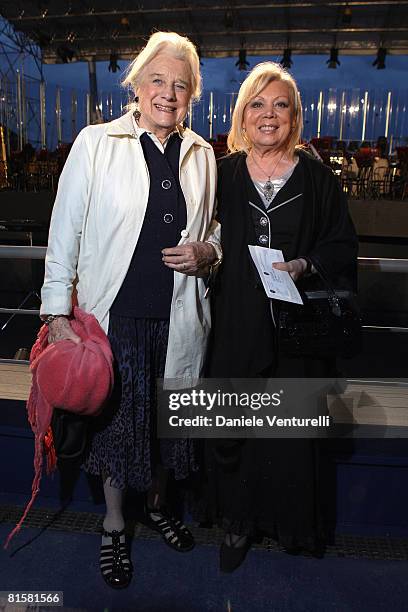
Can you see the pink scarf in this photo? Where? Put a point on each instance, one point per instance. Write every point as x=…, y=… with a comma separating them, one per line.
x=75, y=377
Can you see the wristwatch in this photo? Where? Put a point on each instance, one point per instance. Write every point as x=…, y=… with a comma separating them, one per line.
x=52, y=318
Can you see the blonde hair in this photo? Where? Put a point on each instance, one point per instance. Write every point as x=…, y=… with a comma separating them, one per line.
x=164, y=42
x=256, y=81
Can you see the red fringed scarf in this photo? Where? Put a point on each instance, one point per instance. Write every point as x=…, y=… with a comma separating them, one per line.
x=76, y=377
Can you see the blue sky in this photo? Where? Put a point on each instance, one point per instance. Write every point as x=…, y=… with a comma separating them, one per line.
x=310, y=71
x=355, y=74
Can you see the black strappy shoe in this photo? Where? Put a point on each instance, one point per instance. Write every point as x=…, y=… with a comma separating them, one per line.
x=174, y=532
x=116, y=568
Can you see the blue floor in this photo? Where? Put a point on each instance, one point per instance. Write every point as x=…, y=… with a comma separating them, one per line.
x=168, y=581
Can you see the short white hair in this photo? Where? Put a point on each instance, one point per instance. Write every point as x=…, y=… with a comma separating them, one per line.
x=166, y=42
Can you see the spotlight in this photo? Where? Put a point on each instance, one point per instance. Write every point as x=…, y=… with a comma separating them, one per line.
x=286, y=61
x=380, y=59
x=65, y=53
x=333, y=61
x=242, y=62
x=113, y=63
x=228, y=19
x=42, y=39
x=347, y=15
x=125, y=23
x=200, y=54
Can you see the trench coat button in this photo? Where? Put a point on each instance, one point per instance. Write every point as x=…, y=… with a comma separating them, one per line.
x=179, y=303
x=168, y=218
x=166, y=184
x=263, y=221
x=263, y=239
x=184, y=233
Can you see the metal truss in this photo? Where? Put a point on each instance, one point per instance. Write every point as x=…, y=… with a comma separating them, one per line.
x=14, y=47
x=18, y=103
x=76, y=31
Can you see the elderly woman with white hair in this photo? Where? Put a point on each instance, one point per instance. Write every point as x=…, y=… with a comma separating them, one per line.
x=133, y=220
x=271, y=194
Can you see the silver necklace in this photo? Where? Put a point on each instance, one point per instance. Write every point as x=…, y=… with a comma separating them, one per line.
x=268, y=187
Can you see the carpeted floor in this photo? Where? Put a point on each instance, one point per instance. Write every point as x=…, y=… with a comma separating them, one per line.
x=168, y=581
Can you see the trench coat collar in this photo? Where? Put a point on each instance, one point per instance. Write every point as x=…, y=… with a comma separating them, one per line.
x=123, y=126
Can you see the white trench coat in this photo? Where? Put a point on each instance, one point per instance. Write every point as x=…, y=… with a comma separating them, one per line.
x=96, y=222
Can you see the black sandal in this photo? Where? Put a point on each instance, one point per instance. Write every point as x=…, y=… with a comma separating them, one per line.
x=116, y=568
x=174, y=532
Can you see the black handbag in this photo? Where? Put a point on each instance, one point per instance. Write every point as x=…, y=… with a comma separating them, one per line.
x=70, y=434
x=327, y=325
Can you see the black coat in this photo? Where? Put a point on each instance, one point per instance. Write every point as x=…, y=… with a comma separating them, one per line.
x=243, y=340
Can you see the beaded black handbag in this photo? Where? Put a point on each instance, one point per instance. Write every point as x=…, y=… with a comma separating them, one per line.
x=327, y=325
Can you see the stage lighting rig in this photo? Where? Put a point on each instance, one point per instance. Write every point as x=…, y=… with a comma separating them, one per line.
x=347, y=15
x=242, y=63
x=228, y=19
x=66, y=54
x=113, y=63
x=43, y=39
x=125, y=23
x=286, y=61
x=333, y=60
x=380, y=59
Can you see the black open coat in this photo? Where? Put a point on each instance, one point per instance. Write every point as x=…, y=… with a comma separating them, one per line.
x=318, y=224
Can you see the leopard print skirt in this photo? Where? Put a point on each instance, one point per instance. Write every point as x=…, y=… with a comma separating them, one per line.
x=124, y=443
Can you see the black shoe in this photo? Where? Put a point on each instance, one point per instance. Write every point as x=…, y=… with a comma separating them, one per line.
x=115, y=564
x=174, y=532
x=232, y=556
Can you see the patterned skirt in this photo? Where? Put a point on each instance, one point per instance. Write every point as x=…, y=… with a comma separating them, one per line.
x=124, y=443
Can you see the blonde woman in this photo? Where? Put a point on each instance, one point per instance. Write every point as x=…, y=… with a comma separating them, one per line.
x=271, y=194
x=133, y=219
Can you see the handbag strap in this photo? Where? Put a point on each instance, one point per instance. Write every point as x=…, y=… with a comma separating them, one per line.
x=331, y=293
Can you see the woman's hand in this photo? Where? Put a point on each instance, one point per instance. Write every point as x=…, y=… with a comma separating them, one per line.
x=60, y=329
x=295, y=267
x=193, y=258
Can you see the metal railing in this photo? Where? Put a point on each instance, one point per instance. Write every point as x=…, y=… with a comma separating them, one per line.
x=380, y=264
x=22, y=252
x=383, y=264
x=376, y=264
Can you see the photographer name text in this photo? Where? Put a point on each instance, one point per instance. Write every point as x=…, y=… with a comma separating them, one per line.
x=248, y=421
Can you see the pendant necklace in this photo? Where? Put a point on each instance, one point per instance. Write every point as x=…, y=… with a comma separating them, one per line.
x=268, y=187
